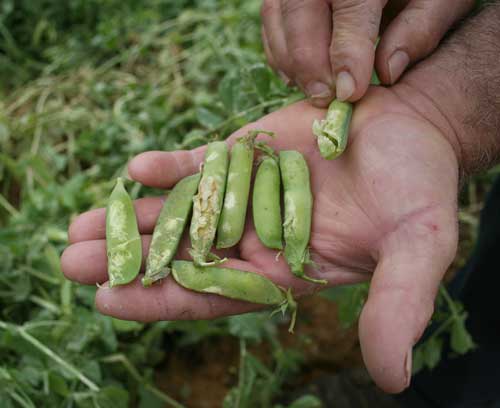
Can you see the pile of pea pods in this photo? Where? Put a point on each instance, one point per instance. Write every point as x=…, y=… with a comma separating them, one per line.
x=215, y=202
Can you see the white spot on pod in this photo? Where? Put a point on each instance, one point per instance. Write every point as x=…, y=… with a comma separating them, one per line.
x=230, y=200
x=211, y=156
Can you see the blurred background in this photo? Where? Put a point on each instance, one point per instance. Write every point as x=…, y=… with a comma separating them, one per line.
x=86, y=85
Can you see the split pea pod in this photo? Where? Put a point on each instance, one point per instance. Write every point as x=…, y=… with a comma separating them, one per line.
x=266, y=204
x=207, y=203
x=234, y=210
x=169, y=228
x=298, y=201
x=333, y=131
x=123, y=241
x=233, y=284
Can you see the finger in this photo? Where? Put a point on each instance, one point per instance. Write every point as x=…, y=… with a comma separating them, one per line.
x=91, y=225
x=267, y=50
x=414, y=34
x=413, y=260
x=164, y=169
x=167, y=300
x=307, y=27
x=149, y=168
x=86, y=262
x=272, y=26
x=355, y=29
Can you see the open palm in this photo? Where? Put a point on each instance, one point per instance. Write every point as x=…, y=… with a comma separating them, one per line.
x=385, y=211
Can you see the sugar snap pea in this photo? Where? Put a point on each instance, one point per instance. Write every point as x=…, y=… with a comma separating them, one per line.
x=233, y=284
x=123, y=241
x=266, y=207
x=298, y=202
x=207, y=203
x=234, y=210
x=333, y=131
x=169, y=228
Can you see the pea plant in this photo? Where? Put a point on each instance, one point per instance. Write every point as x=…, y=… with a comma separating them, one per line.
x=87, y=85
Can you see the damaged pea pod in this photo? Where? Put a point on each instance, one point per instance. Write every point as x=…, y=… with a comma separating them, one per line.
x=207, y=203
x=333, y=131
x=266, y=205
x=123, y=241
x=298, y=202
x=169, y=228
x=234, y=210
x=233, y=284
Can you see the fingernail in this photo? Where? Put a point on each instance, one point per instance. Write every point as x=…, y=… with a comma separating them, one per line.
x=408, y=364
x=318, y=90
x=397, y=64
x=284, y=78
x=345, y=85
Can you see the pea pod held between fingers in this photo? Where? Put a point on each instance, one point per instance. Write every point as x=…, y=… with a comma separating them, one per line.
x=298, y=201
x=207, y=203
x=234, y=210
x=169, y=228
x=266, y=204
x=333, y=131
x=233, y=284
x=123, y=241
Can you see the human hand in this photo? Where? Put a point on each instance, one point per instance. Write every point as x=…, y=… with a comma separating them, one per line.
x=325, y=44
x=385, y=211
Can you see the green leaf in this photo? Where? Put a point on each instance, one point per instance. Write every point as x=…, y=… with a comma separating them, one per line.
x=207, y=118
x=57, y=384
x=261, y=78
x=461, y=341
x=125, y=326
x=432, y=350
x=307, y=401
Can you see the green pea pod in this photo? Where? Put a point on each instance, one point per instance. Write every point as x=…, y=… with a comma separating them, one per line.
x=266, y=204
x=207, y=203
x=298, y=201
x=333, y=131
x=123, y=241
x=233, y=284
x=169, y=228
x=230, y=283
x=234, y=210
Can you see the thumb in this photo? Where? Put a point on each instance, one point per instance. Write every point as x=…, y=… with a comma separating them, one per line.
x=400, y=303
x=352, y=50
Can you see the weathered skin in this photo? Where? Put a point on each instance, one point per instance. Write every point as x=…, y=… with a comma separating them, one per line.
x=298, y=211
x=169, y=228
x=123, y=241
x=234, y=210
x=230, y=283
x=266, y=204
x=207, y=204
x=333, y=131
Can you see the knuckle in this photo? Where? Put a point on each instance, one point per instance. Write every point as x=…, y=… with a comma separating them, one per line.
x=354, y=16
x=269, y=7
x=290, y=7
x=301, y=55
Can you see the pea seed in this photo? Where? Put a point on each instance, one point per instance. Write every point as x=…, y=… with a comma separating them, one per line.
x=169, y=228
x=207, y=203
x=298, y=201
x=234, y=210
x=266, y=203
x=123, y=241
x=333, y=131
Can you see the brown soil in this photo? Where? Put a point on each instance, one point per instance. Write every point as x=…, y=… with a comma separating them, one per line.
x=200, y=377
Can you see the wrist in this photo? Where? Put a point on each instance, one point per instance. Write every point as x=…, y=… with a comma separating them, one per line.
x=457, y=90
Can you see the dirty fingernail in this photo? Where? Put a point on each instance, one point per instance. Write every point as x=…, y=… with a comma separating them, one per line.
x=397, y=64
x=318, y=90
x=345, y=86
x=408, y=364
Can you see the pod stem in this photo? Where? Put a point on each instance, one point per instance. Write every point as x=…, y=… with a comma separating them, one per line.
x=288, y=303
